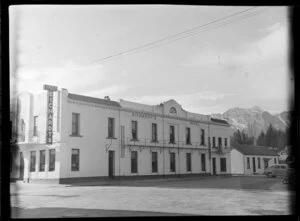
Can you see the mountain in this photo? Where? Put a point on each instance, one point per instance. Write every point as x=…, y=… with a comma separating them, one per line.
x=254, y=120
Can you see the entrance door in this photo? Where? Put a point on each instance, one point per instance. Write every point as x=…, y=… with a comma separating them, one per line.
x=111, y=162
x=253, y=163
x=21, y=175
x=214, y=166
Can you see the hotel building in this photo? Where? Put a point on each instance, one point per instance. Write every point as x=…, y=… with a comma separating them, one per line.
x=65, y=137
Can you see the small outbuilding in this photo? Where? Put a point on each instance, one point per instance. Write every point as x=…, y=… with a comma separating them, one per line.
x=249, y=159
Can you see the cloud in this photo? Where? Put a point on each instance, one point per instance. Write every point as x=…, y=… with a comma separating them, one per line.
x=70, y=76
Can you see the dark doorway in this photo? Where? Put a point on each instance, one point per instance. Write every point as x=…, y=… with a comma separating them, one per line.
x=254, y=166
x=111, y=162
x=214, y=166
x=21, y=175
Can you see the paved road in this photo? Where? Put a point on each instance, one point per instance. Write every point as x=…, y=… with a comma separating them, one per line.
x=197, y=196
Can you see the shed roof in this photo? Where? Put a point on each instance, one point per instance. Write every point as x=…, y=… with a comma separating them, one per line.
x=93, y=100
x=255, y=150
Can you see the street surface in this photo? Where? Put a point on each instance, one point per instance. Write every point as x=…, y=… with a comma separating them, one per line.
x=249, y=195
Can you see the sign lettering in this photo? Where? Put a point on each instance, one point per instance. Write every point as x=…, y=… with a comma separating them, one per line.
x=49, y=132
x=143, y=115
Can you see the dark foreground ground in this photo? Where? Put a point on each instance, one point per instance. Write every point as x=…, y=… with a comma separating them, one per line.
x=248, y=195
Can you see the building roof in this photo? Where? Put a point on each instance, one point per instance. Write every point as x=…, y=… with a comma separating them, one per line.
x=219, y=121
x=255, y=150
x=93, y=100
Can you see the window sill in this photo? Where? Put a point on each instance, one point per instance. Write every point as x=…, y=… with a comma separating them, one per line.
x=134, y=140
x=112, y=138
x=74, y=170
x=154, y=141
x=188, y=144
x=172, y=143
x=75, y=135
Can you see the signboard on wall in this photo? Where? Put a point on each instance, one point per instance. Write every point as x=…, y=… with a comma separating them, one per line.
x=49, y=130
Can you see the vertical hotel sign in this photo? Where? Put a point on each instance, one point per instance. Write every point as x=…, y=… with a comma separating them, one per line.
x=49, y=131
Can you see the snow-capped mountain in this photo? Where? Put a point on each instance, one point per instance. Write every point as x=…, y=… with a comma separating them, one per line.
x=254, y=120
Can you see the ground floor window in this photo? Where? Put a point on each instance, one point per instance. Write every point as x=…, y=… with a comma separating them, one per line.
x=134, y=160
x=32, y=160
x=258, y=162
x=52, y=160
x=223, y=164
x=75, y=160
x=172, y=162
x=154, y=162
x=188, y=162
x=203, y=163
x=42, y=160
x=275, y=161
x=266, y=161
x=248, y=163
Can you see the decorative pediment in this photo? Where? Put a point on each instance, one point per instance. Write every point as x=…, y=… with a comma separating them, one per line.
x=173, y=108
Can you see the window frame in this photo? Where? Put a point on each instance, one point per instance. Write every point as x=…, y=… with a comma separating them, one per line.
x=32, y=166
x=219, y=141
x=134, y=123
x=248, y=163
x=188, y=162
x=214, y=142
x=76, y=123
x=73, y=168
x=154, y=162
x=111, y=127
x=154, y=132
x=52, y=161
x=172, y=162
x=172, y=132
x=203, y=162
x=258, y=163
x=188, y=135
x=134, y=162
x=223, y=164
x=203, y=137
x=225, y=142
x=35, y=125
x=42, y=165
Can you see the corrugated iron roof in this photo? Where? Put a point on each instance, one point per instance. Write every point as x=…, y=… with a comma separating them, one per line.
x=219, y=121
x=255, y=150
x=93, y=100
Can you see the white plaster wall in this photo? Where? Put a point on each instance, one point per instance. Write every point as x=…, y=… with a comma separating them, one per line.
x=236, y=162
x=262, y=166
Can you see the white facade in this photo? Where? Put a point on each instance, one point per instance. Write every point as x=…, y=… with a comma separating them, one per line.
x=250, y=164
x=95, y=146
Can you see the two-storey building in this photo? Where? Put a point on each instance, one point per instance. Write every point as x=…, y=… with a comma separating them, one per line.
x=65, y=136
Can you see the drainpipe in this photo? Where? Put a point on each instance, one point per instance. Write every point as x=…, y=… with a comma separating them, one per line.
x=209, y=150
x=120, y=138
x=178, y=151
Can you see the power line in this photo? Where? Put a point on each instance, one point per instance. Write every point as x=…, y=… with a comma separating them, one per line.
x=175, y=35
x=235, y=17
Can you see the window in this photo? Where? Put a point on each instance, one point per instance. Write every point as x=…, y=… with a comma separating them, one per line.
x=75, y=124
x=188, y=135
x=52, y=160
x=134, y=165
x=202, y=137
x=223, y=164
x=172, y=162
x=111, y=127
x=248, y=163
x=188, y=162
x=32, y=160
x=154, y=162
x=75, y=160
x=203, y=163
x=214, y=142
x=42, y=160
x=220, y=141
x=134, y=130
x=275, y=161
x=266, y=161
x=35, y=126
x=209, y=142
x=172, y=134
x=154, y=132
x=225, y=142
x=258, y=162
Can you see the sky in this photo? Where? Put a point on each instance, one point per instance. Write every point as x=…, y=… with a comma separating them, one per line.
x=241, y=64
